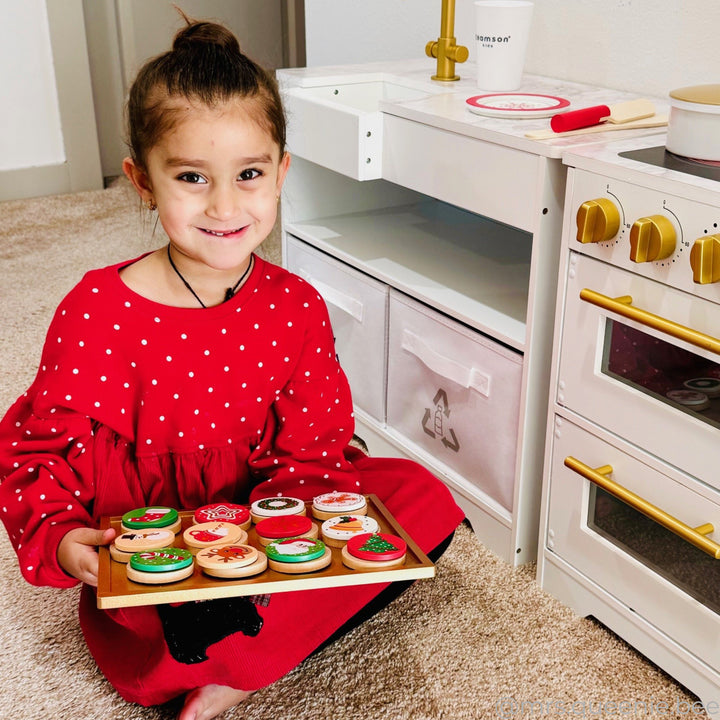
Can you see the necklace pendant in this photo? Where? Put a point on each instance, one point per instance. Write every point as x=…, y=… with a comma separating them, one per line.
x=229, y=294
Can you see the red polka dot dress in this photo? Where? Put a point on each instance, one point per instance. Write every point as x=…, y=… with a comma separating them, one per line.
x=137, y=403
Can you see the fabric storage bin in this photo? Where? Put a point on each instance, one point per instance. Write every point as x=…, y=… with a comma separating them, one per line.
x=357, y=306
x=456, y=394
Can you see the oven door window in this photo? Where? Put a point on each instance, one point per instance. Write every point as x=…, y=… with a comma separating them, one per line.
x=662, y=370
x=687, y=567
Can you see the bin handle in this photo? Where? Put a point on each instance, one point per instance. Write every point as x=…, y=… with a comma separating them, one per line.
x=447, y=367
x=340, y=300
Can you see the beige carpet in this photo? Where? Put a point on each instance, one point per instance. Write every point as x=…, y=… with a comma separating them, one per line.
x=449, y=648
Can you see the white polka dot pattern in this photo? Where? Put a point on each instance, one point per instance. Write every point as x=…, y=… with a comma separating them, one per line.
x=193, y=404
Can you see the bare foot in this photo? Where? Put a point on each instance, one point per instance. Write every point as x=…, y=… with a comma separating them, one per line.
x=208, y=702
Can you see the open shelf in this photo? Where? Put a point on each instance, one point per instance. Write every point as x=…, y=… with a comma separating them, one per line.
x=471, y=268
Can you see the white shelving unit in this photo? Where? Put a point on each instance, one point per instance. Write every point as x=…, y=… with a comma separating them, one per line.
x=455, y=222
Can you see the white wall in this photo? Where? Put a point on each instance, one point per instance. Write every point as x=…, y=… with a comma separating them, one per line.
x=30, y=131
x=642, y=46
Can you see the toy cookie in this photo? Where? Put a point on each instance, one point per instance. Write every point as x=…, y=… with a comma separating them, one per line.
x=224, y=512
x=274, y=506
x=708, y=386
x=132, y=541
x=298, y=555
x=151, y=517
x=337, y=503
x=374, y=551
x=231, y=561
x=285, y=526
x=691, y=399
x=165, y=565
x=338, y=530
x=210, y=534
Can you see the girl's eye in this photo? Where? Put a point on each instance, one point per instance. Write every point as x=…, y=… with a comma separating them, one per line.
x=249, y=174
x=192, y=177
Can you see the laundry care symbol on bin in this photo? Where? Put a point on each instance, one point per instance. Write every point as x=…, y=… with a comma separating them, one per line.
x=435, y=422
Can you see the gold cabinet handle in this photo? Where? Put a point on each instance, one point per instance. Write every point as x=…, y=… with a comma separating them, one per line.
x=623, y=306
x=695, y=536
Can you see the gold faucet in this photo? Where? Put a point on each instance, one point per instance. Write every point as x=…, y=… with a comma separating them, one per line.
x=444, y=48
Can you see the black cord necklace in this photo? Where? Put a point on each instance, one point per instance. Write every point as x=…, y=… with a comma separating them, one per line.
x=230, y=292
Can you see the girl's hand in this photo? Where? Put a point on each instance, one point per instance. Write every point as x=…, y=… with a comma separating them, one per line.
x=77, y=552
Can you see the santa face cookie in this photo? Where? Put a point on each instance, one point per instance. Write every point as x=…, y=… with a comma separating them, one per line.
x=164, y=565
x=337, y=503
x=213, y=533
x=285, y=526
x=298, y=555
x=336, y=531
x=224, y=512
x=274, y=506
x=151, y=517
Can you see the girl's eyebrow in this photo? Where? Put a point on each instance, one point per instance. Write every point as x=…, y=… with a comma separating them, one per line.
x=192, y=162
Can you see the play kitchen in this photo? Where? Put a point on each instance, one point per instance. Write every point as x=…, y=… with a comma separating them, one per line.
x=630, y=531
x=431, y=227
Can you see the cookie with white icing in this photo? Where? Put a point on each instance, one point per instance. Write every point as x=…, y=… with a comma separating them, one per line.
x=274, y=506
x=336, y=531
x=337, y=503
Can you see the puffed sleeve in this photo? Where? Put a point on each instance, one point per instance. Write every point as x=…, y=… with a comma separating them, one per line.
x=301, y=451
x=46, y=477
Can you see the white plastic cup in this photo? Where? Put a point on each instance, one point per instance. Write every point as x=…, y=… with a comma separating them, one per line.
x=502, y=30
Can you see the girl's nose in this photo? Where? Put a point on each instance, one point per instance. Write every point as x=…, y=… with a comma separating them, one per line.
x=222, y=202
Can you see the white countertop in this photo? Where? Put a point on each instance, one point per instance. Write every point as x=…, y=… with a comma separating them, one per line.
x=445, y=106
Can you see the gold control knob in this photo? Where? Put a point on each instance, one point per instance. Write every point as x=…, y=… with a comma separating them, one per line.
x=652, y=238
x=597, y=221
x=705, y=259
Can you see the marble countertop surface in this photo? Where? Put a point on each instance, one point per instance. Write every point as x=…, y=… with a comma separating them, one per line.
x=444, y=104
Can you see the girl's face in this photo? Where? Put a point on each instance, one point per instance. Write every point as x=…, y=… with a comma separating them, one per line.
x=216, y=178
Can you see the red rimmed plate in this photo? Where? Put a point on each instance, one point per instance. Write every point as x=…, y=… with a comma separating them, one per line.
x=516, y=105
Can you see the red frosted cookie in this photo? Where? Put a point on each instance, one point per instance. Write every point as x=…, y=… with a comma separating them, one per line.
x=285, y=526
x=374, y=551
x=224, y=512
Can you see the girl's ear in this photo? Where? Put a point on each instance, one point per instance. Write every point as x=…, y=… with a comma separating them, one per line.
x=282, y=172
x=139, y=179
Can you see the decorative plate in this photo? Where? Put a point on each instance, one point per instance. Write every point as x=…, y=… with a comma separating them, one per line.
x=516, y=105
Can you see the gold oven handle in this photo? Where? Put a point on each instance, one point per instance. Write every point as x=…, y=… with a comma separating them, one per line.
x=695, y=536
x=623, y=306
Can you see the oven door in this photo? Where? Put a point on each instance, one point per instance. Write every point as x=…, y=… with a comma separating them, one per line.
x=643, y=360
x=646, y=533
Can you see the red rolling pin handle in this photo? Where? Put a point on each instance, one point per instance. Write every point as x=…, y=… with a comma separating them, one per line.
x=576, y=119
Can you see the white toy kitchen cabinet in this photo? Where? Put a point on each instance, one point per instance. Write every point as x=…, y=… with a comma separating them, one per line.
x=433, y=234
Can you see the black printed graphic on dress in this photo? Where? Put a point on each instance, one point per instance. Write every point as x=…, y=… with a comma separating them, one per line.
x=191, y=628
x=435, y=422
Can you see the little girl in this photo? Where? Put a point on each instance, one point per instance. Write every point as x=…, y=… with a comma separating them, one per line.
x=196, y=373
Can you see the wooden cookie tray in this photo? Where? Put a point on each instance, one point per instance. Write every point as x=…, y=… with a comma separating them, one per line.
x=116, y=590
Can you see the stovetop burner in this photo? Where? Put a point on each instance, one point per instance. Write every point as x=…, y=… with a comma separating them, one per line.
x=660, y=157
